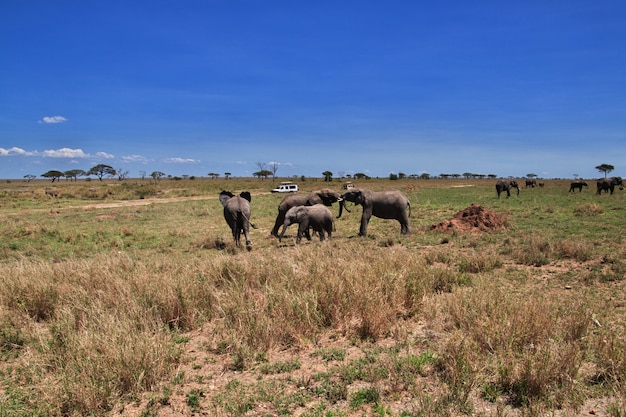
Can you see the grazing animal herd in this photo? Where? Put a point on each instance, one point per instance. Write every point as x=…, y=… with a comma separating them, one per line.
x=310, y=211
x=603, y=184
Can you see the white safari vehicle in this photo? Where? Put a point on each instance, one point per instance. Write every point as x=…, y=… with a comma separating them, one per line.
x=286, y=187
x=348, y=186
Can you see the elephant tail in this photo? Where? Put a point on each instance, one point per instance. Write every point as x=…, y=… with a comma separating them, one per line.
x=246, y=218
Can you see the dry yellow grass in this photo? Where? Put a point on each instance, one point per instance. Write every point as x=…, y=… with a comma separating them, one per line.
x=150, y=310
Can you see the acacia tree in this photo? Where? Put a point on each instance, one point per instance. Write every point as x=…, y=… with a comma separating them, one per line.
x=54, y=174
x=101, y=170
x=328, y=176
x=262, y=174
x=606, y=168
x=73, y=174
x=29, y=177
x=157, y=175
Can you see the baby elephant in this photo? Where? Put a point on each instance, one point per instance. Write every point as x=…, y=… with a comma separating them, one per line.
x=317, y=217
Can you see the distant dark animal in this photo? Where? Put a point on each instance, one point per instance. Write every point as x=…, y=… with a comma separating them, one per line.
x=541, y=184
x=531, y=183
x=506, y=185
x=52, y=193
x=237, y=214
x=577, y=184
x=608, y=184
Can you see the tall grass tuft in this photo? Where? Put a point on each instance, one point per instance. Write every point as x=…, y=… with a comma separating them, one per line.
x=532, y=347
x=588, y=209
x=98, y=341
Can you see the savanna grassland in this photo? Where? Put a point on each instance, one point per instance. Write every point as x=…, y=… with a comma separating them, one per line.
x=129, y=298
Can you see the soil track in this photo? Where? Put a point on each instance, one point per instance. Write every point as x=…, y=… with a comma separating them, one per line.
x=144, y=202
x=116, y=204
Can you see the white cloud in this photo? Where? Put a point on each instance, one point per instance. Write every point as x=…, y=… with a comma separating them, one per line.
x=134, y=158
x=53, y=119
x=14, y=151
x=54, y=153
x=104, y=155
x=64, y=153
x=181, y=160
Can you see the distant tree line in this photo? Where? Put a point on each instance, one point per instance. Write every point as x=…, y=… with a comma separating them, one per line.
x=265, y=170
x=100, y=171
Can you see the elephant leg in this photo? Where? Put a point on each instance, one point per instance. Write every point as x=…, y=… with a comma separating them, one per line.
x=320, y=231
x=246, y=233
x=279, y=220
x=302, y=231
x=282, y=233
x=365, y=219
x=237, y=236
x=329, y=230
x=404, y=226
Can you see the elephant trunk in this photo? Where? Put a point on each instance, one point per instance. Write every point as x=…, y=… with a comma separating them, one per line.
x=342, y=205
x=282, y=233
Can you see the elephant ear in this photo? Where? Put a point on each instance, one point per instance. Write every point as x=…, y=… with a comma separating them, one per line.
x=225, y=196
x=360, y=198
x=326, y=197
x=314, y=198
x=246, y=195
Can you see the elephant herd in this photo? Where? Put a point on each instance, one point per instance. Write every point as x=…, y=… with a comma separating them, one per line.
x=603, y=184
x=310, y=211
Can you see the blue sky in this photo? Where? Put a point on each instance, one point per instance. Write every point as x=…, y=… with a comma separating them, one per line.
x=193, y=87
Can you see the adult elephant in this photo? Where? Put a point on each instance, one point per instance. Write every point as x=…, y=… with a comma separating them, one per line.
x=531, y=183
x=577, y=184
x=237, y=214
x=325, y=196
x=391, y=204
x=609, y=184
x=317, y=217
x=506, y=185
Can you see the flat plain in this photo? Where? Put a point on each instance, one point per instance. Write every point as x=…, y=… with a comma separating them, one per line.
x=130, y=298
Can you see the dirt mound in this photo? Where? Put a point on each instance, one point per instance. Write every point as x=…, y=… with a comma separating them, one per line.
x=473, y=218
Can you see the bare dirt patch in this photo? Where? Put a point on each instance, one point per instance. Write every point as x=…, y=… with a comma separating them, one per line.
x=474, y=218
